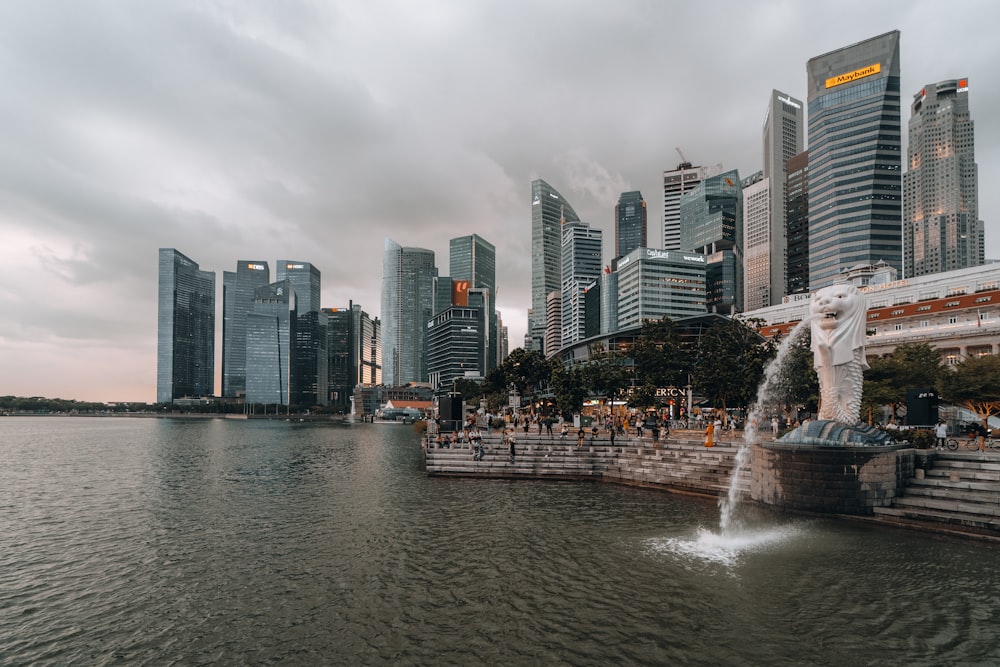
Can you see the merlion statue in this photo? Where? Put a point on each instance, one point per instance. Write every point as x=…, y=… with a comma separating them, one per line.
x=837, y=321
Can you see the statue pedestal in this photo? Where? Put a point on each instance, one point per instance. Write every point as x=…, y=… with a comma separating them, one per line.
x=836, y=479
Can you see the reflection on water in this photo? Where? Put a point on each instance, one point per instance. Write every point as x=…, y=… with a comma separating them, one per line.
x=250, y=542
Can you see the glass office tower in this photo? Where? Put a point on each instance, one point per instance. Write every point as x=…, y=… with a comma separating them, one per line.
x=474, y=259
x=712, y=225
x=237, y=297
x=309, y=372
x=271, y=325
x=855, y=160
x=185, y=340
x=407, y=306
x=548, y=210
x=630, y=223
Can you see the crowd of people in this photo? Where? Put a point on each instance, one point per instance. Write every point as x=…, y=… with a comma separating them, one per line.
x=652, y=425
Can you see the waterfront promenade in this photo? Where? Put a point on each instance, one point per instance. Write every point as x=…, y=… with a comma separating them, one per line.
x=956, y=493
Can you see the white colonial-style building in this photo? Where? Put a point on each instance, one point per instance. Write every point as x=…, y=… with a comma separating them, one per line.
x=957, y=312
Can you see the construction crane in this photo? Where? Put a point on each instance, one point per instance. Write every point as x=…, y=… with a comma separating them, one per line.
x=684, y=162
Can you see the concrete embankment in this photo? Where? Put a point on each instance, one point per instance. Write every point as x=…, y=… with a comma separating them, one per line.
x=680, y=464
x=956, y=493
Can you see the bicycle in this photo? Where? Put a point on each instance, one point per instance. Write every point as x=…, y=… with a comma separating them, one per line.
x=971, y=443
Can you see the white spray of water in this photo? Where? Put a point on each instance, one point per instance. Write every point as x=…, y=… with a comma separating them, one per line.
x=726, y=550
x=765, y=404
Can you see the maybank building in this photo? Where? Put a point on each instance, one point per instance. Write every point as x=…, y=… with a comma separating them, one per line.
x=656, y=283
x=855, y=158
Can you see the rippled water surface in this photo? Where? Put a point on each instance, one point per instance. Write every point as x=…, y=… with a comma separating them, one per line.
x=148, y=541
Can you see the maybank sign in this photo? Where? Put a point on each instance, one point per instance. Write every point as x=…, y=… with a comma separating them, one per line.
x=841, y=79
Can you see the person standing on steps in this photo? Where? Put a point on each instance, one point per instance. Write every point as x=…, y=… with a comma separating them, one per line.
x=774, y=426
x=511, y=440
x=941, y=432
x=710, y=434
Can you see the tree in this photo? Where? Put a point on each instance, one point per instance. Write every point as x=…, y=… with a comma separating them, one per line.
x=729, y=362
x=606, y=374
x=974, y=384
x=658, y=359
x=528, y=372
x=910, y=366
x=568, y=385
x=796, y=384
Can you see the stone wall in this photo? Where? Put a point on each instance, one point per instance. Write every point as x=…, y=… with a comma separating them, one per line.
x=839, y=480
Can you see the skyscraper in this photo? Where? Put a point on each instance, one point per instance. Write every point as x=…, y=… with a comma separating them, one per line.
x=548, y=209
x=758, y=259
x=270, y=332
x=352, y=344
x=304, y=278
x=185, y=337
x=855, y=194
x=553, y=323
x=630, y=223
x=711, y=217
x=473, y=259
x=582, y=258
x=309, y=371
x=797, y=224
x=783, y=132
x=237, y=298
x=407, y=306
x=941, y=226
x=653, y=284
x=675, y=183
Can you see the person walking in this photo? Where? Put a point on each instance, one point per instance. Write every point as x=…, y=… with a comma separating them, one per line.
x=941, y=432
x=580, y=435
x=774, y=426
x=710, y=434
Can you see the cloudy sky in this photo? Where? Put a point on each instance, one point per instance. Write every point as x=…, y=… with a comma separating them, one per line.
x=312, y=130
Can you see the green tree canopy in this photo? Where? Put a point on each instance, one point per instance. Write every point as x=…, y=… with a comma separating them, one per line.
x=729, y=362
x=607, y=373
x=528, y=372
x=568, y=385
x=974, y=384
x=910, y=366
x=657, y=355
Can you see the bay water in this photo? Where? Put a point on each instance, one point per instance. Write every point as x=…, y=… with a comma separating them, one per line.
x=208, y=541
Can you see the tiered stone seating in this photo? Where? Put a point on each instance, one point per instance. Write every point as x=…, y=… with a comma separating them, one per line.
x=680, y=464
x=960, y=491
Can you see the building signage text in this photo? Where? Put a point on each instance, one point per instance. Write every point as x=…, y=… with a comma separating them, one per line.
x=882, y=286
x=848, y=77
x=790, y=102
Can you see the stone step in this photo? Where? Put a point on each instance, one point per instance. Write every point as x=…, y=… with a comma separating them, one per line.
x=948, y=505
x=953, y=518
x=962, y=474
x=955, y=493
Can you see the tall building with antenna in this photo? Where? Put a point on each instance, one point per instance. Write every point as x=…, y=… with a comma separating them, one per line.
x=676, y=183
